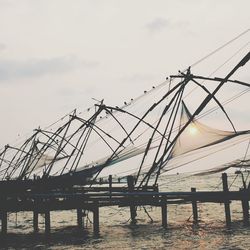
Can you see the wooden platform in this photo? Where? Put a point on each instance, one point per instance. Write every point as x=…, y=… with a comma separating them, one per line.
x=93, y=198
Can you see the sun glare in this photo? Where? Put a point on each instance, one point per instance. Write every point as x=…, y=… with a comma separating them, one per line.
x=192, y=129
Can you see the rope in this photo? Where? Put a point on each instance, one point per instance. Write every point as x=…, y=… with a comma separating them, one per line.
x=218, y=68
x=194, y=64
x=218, y=49
x=157, y=86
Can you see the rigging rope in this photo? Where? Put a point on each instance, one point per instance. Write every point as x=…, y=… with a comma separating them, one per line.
x=154, y=88
x=218, y=68
x=210, y=54
x=220, y=48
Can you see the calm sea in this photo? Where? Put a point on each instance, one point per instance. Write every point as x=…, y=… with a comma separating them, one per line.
x=117, y=233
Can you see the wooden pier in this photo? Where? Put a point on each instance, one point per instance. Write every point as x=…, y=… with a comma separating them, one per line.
x=93, y=198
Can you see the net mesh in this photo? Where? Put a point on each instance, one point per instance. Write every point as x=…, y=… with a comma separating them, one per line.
x=197, y=135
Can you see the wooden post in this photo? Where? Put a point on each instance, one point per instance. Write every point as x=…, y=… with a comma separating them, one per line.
x=245, y=210
x=245, y=206
x=4, y=218
x=130, y=180
x=35, y=221
x=164, y=212
x=79, y=218
x=227, y=202
x=96, y=219
x=47, y=222
x=194, y=208
x=110, y=186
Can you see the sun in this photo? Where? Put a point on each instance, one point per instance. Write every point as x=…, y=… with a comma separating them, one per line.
x=192, y=129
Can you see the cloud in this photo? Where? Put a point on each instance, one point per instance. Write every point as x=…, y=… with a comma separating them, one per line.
x=158, y=24
x=2, y=47
x=12, y=69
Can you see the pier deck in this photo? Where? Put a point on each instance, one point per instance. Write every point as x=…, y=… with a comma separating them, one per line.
x=92, y=198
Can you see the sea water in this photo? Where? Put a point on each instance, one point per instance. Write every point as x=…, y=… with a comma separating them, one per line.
x=116, y=232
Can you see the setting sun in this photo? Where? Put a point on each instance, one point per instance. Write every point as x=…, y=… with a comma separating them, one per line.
x=192, y=129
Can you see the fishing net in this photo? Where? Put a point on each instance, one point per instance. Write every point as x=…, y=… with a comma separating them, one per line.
x=198, y=135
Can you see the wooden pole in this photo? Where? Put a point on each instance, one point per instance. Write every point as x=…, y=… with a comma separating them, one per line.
x=164, y=212
x=35, y=221
x=47, y=222
x=245, y=210
x=4, y=217
x=79, y=218
x=227, y=202
x=245, y=207
x=194, y=208
x=130, y=180
x=110, y=186
x=96, y=219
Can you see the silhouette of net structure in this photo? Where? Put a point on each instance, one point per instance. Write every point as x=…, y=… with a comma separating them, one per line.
x=141, y=138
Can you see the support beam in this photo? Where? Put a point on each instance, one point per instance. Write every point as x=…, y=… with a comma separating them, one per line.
x=4, y=218
x=245, y=210
x=130, y=180
x=110, y=186
x=47, y=223
x=133, y=214
x=35, y=221
x=79, y=218
x=194, y=208
x=227, y=202
x=96, y=227
x=164, y=211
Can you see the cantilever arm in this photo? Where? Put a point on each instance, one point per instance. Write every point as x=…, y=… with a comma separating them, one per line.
x=215, y=79
x=216, y=100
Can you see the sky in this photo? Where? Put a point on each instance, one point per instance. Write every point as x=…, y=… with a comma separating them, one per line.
x=56, y=55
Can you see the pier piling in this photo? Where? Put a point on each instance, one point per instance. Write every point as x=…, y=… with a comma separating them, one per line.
x=110, y=186
x=227, y=202
x=96, y=226
x=130, y=180
x=79, y=218
x=194, y=208
x=245, y=209
x=4, y=218
x=164, y=211
x=47, y=223
x=35, y=221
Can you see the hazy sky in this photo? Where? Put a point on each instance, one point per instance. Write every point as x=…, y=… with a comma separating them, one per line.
x=56, y=55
